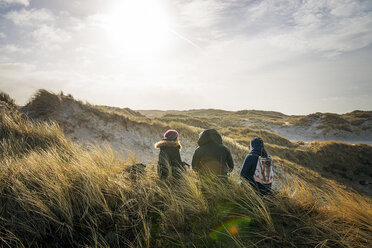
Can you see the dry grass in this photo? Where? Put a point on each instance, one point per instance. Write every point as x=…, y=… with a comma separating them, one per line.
x=54, y=193
x=43, y=103
x=123, y=111
x=358, y=117
x=330, y=162
x=6, y=99
x=262, y=119
x=191, y=121
x=19, y=136
x=243, y=135
x=348, y=164
x=331, y=121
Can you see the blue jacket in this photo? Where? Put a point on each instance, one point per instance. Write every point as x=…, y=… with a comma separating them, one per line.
x=249, y=167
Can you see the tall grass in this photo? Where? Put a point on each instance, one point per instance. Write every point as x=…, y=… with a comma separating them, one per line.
x=331, y=164
x=53, y=193
x=5, y=99
x=18, y=136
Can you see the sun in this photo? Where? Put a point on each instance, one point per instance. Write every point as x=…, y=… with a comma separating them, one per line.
x=138, y=26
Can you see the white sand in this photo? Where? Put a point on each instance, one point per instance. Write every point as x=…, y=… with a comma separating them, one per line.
x=130, y=138
x=361, y=134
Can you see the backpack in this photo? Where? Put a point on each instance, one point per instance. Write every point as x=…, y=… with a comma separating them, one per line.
x=264, y=170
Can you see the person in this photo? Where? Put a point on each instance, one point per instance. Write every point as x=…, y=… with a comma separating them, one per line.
x=169, y=155
x=250, y=164
x=212, y=157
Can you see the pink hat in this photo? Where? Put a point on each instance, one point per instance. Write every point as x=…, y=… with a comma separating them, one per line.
x=170, y=135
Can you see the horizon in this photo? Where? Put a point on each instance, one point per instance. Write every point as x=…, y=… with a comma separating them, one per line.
x=288, y=56
x=180, y=110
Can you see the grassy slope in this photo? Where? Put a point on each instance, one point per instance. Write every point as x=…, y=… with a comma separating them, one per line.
x=330, y=159
x=348, y=164
x=261, y=119
x=54, y=193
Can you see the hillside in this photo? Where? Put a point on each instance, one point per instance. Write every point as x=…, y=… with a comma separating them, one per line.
x=133, y=135
x=55, y=193
x=329, y=158
x=351, y=127
x=123, y=130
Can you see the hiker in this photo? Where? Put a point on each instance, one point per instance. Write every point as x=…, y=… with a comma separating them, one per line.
x=212, y=157
x=261, y=180
x=169, y=156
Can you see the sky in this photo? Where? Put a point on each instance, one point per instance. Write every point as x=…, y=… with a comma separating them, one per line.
x=294, y=56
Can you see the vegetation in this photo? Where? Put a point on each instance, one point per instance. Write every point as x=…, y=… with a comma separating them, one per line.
x=191, y=121
x=347, y=164
x=258, y=119
x=6, y=101
x=245, y=134
x=123, y=111
x=55, y=193
x=19, y=136
x=358, y=117
x=330, y=121
x=332, y=161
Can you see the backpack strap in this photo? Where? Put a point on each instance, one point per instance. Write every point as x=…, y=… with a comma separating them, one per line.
x=262, y=154
x=253, y=168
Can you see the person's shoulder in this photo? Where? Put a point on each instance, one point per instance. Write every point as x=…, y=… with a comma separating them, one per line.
x=224, y=148
x=199, y=149
x=251, y=156
x=196, y=150
x=163, y=144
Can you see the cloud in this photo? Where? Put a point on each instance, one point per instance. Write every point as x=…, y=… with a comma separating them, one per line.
x=49, y=37
x=201, y=14
x=15, y=67
x=328, y=27
x=199, y=21
x=14, y=49
x=48, y=31
x=2, y=35
x=287, y=47
x=32, y=17
x=20, y=2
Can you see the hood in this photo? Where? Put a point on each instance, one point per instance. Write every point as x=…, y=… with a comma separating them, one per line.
x=167, y=143
x=209, y=136
x=257, y=147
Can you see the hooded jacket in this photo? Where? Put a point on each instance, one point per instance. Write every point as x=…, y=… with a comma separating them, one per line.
x=250, y=163
x=169, y=157
x=212, y=156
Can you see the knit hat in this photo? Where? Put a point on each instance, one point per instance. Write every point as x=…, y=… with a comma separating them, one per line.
x=170, y=135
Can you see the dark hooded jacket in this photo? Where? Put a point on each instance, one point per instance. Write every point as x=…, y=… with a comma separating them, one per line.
x=169, y=157
x=250, y=163
x=212, y=156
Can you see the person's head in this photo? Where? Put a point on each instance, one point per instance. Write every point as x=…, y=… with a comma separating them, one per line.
x=170, y=135
x=209, y=136
x=257, y=143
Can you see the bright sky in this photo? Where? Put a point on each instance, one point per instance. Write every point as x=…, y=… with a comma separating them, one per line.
x=294, y=56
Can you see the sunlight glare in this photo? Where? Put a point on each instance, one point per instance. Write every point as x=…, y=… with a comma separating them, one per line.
x=138, y=26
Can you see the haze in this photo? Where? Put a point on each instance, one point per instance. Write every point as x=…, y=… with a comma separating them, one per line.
x=296, y=57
